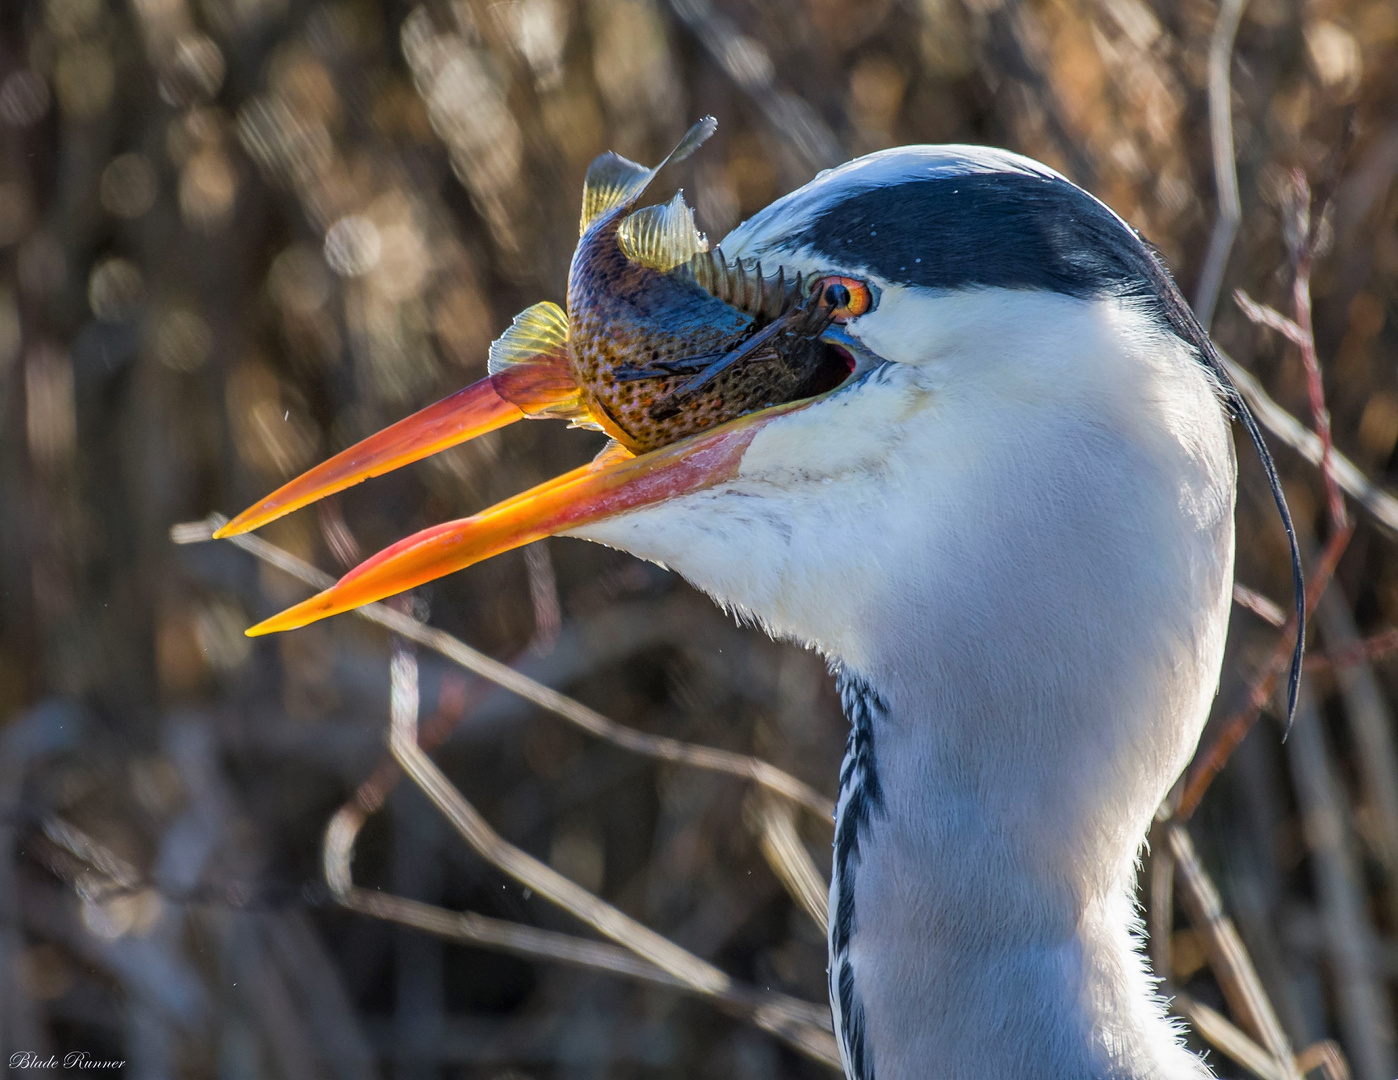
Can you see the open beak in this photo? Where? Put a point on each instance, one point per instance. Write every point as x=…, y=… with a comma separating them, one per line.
x=612, y=484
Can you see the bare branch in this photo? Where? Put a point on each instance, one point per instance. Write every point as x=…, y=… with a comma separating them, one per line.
x=802, y=1025
x=1354, y=652
x=1208, y=763
x=655, y=746
x=1326, y=1056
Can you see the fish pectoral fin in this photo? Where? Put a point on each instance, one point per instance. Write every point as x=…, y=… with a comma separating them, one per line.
x=665, y=369
x=531, y=368
x=672, y=402
x=662, y=237
x=614, y=181
x=539, y=331
x=611, y=454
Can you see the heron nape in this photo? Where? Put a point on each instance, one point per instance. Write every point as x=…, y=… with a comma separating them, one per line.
x=1008, y=523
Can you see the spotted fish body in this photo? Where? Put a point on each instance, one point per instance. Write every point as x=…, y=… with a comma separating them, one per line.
x=663, y=338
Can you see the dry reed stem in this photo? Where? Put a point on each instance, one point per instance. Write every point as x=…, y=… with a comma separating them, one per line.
x=1222, y=1034
x=1371, y=722
x=1264, y=608
x=1326, y=1056
x=656, y=746
x=1225, y=178
x=789, y=860
x=1227, y=956
x=1362, y=1005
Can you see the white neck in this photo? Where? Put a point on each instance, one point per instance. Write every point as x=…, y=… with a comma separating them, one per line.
x=967, y=942
x=1018, y=539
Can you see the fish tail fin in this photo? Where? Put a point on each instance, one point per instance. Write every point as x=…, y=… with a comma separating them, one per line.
x=614, y=181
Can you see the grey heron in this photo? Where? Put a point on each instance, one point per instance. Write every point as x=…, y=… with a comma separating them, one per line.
x=1010, y=529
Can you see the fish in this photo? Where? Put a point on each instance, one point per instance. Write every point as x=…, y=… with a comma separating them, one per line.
x=667, y=338
x=663, y=342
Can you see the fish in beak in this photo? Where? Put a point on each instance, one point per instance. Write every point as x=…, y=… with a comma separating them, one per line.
x=677, y=354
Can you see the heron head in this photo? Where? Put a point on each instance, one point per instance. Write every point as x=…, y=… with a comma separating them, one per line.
x=961, y=286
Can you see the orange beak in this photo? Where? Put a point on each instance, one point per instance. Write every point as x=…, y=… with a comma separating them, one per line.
x=494, y=402
x=612, y=484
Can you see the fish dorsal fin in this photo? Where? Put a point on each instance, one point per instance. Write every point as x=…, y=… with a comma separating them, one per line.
x=743, y=285
x=614, y=181
x=539, y=332
x=662, y=237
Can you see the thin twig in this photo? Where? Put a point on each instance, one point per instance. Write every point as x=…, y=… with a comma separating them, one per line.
x=1300, y=333
x=656, y=746
x=1230, y=213
x=1265, y=609
x=1315, y=387
x=1380, y=504
x=1270, y=317
x=1355, y=653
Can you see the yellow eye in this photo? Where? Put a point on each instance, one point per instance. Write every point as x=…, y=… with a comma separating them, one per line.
x=847, y=297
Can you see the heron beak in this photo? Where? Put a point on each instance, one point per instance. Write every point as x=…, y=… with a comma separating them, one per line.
x=485, y=406
x=613, y=484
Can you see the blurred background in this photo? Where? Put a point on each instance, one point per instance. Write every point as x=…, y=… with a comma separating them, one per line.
x=238, y=235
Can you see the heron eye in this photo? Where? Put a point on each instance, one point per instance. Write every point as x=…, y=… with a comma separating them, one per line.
x=847, y=298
